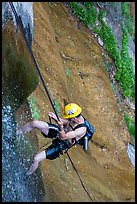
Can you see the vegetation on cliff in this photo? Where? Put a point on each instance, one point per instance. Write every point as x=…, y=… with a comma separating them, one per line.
x=88, y=14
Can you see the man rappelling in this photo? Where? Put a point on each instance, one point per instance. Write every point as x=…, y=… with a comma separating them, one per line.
x=72, y=129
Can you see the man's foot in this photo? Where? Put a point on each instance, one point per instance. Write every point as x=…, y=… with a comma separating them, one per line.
x=19, y=132
x=29, y=172
x=32, y=168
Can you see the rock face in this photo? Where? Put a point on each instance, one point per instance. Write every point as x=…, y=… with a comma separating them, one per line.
x=106, y=170
x=113, y=18
x=59, y=46
x=24, y=11
x=19, y=77
x=131, y=153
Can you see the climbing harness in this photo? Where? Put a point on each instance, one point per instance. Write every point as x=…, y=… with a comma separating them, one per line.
x=18, y=20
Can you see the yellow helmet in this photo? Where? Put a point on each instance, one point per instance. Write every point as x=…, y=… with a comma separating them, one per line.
x=72, y=110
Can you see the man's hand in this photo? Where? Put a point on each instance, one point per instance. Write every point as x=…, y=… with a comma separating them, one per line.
x=62, y=133
x=50, y=114
x=19, y=132
x=60, y=123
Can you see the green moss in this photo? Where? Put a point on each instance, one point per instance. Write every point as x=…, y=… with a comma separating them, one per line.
x=123, y=62
x=56, y=106
x=125, y=75
x=67, y=71
x=84, y=14
x=130, y=125
x=33, y=108
x=128, y=21
x=108, y=39
x=91, y=10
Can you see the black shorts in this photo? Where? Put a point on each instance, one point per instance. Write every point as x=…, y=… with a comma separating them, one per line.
x=57, y=146
x=53, y=131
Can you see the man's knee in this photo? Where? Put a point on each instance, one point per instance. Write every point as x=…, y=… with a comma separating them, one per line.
x=37, y=159
x=34, y=123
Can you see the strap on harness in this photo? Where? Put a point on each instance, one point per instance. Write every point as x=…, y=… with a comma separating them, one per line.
x=80, y=125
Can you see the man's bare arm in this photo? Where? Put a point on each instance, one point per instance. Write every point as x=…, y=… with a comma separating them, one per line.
x=78, y=133
x=54, y=117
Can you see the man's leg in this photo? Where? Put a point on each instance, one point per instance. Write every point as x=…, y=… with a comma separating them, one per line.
x=38, y=158
x=52, y=152
x=42, y=126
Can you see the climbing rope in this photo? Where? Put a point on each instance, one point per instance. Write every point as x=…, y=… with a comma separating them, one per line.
x=78, y=175
x=18, y=20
